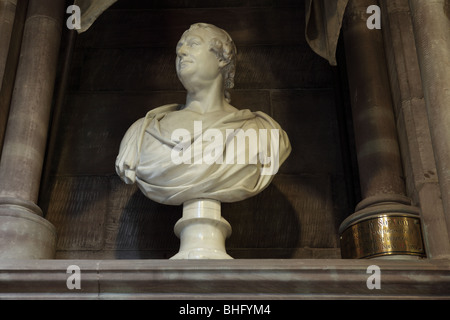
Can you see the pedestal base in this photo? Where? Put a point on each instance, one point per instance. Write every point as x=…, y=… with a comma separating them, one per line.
x=387, y=230
x=25, y=235
x=202, y=231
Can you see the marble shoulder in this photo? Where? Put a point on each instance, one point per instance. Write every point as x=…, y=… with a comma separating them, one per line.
x=266, y=120
x=167, y=108
x=135, y=130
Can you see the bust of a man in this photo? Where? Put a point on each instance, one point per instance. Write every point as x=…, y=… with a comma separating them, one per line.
x=205, y=148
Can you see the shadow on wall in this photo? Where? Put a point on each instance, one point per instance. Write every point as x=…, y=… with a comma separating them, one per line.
x=265, y=226
x=259, y=224
x=145, y=229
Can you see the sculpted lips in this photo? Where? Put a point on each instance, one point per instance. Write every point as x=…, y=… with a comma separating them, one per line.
x=184, y=62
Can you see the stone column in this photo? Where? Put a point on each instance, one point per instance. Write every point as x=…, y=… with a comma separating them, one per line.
x=24, y=233
x=385, y=223
x=7, y=14
x=419, y=164
x=8, y=44
x=431, y=21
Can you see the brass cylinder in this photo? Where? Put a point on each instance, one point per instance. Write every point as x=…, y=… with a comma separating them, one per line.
x=383, y=235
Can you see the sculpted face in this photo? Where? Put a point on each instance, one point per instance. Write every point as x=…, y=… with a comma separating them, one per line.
x=196, y=62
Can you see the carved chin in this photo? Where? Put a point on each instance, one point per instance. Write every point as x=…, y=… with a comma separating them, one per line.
x=184, y=72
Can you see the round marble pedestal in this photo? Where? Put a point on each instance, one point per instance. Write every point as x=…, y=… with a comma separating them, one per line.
x=202, y=231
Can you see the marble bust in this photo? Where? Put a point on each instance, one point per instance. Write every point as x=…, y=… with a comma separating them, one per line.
x=205, y=151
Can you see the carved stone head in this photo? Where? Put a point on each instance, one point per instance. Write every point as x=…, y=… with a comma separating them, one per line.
x=198, y=44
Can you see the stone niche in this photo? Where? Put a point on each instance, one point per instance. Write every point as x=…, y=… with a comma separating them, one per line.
x=124, y=66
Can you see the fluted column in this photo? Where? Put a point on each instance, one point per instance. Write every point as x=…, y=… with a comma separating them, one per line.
x=24, y=233
x=431, y=21
x=384, y=218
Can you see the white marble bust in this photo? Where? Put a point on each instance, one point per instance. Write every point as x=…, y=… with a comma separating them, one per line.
x=205, y=65
x=205, y=151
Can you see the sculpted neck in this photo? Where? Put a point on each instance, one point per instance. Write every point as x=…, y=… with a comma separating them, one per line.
x=207, y=98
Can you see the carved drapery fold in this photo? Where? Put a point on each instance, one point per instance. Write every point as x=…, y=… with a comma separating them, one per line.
x=91, y=10
x=323, y=26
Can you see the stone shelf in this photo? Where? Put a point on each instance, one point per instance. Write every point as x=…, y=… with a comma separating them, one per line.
x=225, y=279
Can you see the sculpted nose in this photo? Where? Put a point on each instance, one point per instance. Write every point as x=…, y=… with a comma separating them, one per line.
x=182, y=52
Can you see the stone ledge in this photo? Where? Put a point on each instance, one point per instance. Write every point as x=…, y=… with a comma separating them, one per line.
x=220, y=279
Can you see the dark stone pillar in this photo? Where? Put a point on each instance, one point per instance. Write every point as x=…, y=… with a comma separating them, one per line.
x=431, y=21
x=385, y=213
x=7, y=14
x=24, y=233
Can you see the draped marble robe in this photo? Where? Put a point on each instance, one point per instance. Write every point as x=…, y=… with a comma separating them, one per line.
x=146, y=155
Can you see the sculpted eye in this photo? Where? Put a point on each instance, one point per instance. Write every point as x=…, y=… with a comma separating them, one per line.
x=194, y=41
x=179, y=45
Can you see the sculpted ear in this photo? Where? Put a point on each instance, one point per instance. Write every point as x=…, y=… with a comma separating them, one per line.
x=223, y=63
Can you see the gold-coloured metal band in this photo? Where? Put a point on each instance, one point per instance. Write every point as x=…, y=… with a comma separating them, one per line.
x=381, y=236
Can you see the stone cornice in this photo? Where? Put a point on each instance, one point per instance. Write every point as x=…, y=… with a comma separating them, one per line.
x=220, y=279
